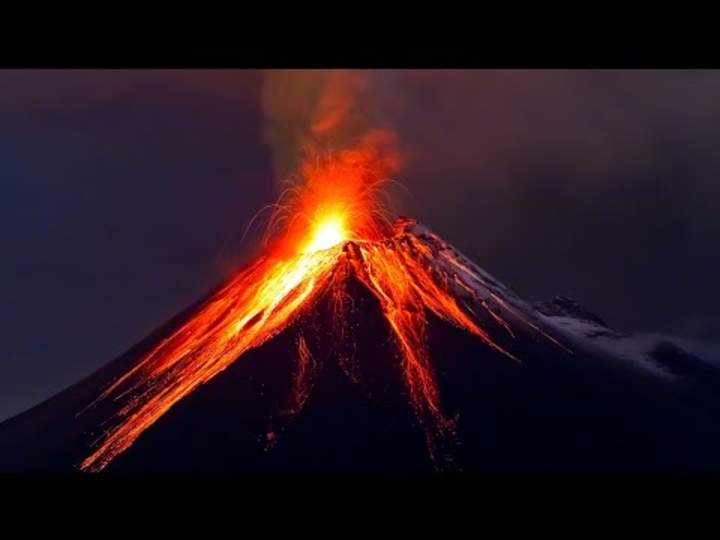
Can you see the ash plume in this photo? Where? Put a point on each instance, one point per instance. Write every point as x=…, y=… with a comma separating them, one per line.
x=329, y=109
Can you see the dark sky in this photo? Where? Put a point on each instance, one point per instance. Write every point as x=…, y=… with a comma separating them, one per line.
x=123, y=196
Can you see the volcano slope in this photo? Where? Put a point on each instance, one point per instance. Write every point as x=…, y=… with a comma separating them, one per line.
x=579, y=398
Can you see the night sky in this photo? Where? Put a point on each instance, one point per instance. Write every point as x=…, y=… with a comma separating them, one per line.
x=124, y=196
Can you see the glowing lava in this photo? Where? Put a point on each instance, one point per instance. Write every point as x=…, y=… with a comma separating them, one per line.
x=334, y=228
x=329, y=233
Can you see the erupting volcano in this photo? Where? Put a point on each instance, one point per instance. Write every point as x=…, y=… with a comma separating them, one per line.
x=335, y=228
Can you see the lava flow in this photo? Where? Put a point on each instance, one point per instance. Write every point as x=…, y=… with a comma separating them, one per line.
x=333, y=226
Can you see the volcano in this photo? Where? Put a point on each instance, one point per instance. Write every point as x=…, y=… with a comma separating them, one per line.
x=396, y=354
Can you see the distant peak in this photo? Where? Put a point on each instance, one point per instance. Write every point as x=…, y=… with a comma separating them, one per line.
x=565, y=306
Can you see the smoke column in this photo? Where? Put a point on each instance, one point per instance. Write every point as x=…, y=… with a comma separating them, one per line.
x=329, y=109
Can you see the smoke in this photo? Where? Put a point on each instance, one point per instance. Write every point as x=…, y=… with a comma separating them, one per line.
x=330, y=109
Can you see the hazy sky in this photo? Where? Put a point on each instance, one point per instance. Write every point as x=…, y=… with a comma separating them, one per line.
x=123, y=196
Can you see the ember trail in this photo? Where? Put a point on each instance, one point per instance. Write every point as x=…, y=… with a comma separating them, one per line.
x=328, y=227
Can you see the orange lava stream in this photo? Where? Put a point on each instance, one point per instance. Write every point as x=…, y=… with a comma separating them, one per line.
x=301, y=387
x=399, y=274
x=252, y=308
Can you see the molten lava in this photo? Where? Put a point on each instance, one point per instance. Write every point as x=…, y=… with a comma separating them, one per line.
x=328, y=233
x=333, y=227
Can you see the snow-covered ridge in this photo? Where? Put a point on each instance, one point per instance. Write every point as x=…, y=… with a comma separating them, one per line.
x=635, y=349
x=655, y=354
x=456, y=262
